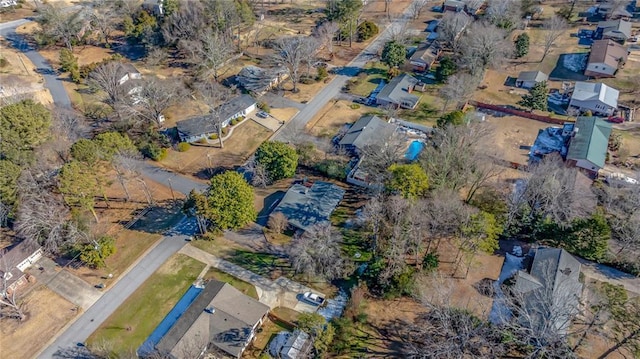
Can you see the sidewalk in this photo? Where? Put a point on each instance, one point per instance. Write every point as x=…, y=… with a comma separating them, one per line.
x=282, y=292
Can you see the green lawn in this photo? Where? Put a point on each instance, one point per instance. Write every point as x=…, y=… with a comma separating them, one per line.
x=354, y=242
x=259, y=263
x=369, y=78
x=244, y=287
x=127, y=328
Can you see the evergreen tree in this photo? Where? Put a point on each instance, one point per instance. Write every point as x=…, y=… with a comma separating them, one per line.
x=394, y=54
x=409, y=180
x=446, y=68
x=279, y=159
x=536, y=99
x=522, y=45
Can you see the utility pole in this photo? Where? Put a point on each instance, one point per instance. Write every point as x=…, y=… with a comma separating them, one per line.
x=171, y=188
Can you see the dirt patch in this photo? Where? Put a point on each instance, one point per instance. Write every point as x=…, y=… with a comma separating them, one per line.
x=306, y=92
x=284, y=114
x=513, y=135
x=243, y=143
x=333, y=116
x=47, y=314
x=382, y=316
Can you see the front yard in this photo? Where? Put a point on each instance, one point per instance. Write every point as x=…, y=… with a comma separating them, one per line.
x=128, y=327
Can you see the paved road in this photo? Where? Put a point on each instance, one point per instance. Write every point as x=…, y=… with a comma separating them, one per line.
x=179, y=183
x=90, y=320
x=51, y=79
x=296, y=125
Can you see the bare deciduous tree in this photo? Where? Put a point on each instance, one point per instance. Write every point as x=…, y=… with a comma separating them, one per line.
x=106, y=77
x=208, y=53
x=451, y=28
x=317, y=252
x=417, y=7
x=278, y=222
x=61, y=24
x=104, y=18
x=505, y=14
x=376, y=158
x=459, y=88
x=292, y=53
x=553, y=28
x=326, y=33
x=483, y=46
x=214, y=95
x=154, y=97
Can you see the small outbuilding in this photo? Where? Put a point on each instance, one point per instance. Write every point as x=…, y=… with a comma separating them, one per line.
x=306, y=206
x=528, y=79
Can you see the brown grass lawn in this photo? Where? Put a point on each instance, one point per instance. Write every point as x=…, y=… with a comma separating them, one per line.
x=511, y=134
x=47, y=313
x=261, y=341
x=220, y=246
x=333, y=116
x=19, y=76
x=243, y=142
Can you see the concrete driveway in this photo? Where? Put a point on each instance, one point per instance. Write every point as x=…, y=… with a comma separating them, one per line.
x=282, y=292
x=67, y=285
x=271, y=123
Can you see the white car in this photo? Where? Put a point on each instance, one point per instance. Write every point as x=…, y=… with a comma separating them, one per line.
x=313, y=298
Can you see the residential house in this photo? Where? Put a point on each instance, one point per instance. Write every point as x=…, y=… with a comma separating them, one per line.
x=605, y=58
x=15, y=261
x=219, y=319
x=195, y=128
x=425, y=56
x=258, y=80
x=454, y=5
x=595, y=97
x=8, y=3
x=368, y=130
x=399, y=92
x=306, y=206
x=588, y=144
x=528, y=79
x=616, y=30
x=549, y=290
x=613, y=11
x=127, y=72
x=155, y=7
x=298, y=346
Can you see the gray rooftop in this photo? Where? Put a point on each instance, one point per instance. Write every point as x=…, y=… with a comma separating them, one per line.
x=397, y=90
x=220, y=315
x=199, y=125
x=305, y=207
x=615, y=26
x=427, y=52
x=257, y=79
x=549, y=140
x=537, y=76
x=14, y=256
x=368, y=130
x=595, y=91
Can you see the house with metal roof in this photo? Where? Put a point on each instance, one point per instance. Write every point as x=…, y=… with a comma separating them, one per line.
x=595, y=97
x=368, y=130
x=589, y=143
x=549, y=290
x=528, y=79
x=307, y=206
x=605, y=58
x=298, y=346
x=617, y=30
x=399, y=93
x=219, y=319
x=195, y=128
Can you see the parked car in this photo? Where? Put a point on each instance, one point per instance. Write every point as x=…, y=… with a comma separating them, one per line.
x=262, y=114
x=615, y=119
x=313, y=298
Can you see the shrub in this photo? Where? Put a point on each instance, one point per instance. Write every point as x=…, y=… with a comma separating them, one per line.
x=430, y=262
x=367, y=30
x=307, y=80
x=354, y=106
x=184, y=146
x=333, y=169
x=152, y=150
x=278, y=222
x=202, y=140
x=214, y=136
x=321, y=73
x=264, y=107
x=3, y=62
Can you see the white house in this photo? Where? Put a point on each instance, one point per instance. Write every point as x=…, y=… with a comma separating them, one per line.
x=195, y=128
x=128, y=72
x=595, y=97
x=15, y=261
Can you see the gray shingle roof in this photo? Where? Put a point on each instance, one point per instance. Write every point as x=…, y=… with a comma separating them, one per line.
x=256, y=79
x=14, y=256
x=615, y=26
x=426, y=53
x=305, y=207
x=397, y=90
x=537, y=76
x=595, y=91
x=220, y=315
x=199, y=125
x=368, y=130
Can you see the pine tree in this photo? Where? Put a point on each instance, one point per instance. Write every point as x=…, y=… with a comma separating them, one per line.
x=536, y=99
x=522, y=45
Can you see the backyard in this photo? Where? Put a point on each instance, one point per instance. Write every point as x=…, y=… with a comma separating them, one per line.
x=128, y=327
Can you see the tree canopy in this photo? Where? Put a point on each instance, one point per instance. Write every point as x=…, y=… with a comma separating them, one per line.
x=23, y=126
x=9, y=173
x=522, y=45
x=279, y=159
x=79, y=186
x=455, y=118
x=228, y=203
x=393, y=54
x=409, y=180
x=536, y=99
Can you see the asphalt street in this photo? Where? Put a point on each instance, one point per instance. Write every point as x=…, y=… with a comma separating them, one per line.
x=332, y=89
x=91, y=319
x=178, y=182
x=51, y=79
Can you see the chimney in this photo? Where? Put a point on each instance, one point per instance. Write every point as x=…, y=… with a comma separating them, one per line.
x=410, y=89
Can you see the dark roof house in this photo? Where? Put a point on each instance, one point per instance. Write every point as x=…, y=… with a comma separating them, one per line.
x=368, y=130
x=617, y=30
x=528, y=79
x=305, y=206
x=258, y=80
x=549, y=290
x=588, y=146
x=424, y=57
x=219, y=318
x=195, y=128
x=454, y=5
x=399, y=92
x=15, y=261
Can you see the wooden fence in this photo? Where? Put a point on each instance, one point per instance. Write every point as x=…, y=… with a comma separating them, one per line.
x=520, y=113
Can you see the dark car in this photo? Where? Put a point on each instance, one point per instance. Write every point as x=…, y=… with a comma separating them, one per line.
x=615, y=119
